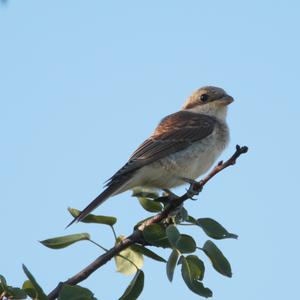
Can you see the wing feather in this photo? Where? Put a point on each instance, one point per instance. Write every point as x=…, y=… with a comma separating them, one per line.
x=173, y=134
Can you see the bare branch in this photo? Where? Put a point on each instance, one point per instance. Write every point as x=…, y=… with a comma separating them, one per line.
x=136, y=236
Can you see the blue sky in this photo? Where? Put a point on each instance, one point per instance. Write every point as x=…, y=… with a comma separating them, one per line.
x=78, y=76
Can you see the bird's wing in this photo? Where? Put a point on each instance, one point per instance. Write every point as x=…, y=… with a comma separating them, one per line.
x=173, y=134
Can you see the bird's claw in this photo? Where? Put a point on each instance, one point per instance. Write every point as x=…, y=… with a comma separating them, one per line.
x=191, y=194
x=194, y=189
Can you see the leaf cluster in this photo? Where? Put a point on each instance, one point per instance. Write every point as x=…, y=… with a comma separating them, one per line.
x=33, y=290
x=184, y=253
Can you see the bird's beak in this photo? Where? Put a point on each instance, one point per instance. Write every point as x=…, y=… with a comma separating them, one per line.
x=227, y=100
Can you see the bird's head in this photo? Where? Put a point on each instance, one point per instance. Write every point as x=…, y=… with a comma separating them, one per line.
x=209, y=100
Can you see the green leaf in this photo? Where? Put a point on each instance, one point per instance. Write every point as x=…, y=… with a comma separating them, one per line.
x=155, y=234
x=16, y=293
x=197, y=266
x=128, y=260
x=29, y=289
x=186, y=244
x=135, y=287
x=65, y=241
x=180, y=260
x=3, y=283
x=173, y=235
x=144, y=193
x=183, y=214
x=147, y=252
x=75, y=292
x=93, y=218
x=191, y=276
x=191, y=219
x=219, y=261
x=171, y=264
x=141, y=222
x=9, y=292
x=150, y=205
x=182, y=242
x=214, y=229
x=40, y=293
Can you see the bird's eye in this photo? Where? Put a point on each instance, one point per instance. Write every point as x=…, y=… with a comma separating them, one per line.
x=204, y=98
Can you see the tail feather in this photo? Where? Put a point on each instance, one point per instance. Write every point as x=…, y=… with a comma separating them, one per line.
x=108, y=192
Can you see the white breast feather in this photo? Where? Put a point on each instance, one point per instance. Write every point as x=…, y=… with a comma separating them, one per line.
x=189, y=163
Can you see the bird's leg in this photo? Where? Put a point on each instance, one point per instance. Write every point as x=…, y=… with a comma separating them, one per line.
x=173, y=216
x=166, y=197
x=171, y=219
x=194, y=189
x=170, y=194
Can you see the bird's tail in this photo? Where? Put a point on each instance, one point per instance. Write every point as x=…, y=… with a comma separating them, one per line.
x=108, y=192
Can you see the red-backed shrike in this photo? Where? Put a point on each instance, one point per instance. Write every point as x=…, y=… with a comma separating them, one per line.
x=184, y=145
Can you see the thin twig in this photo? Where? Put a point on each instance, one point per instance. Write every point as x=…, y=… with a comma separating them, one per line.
x=120, y=255
x=136, y=236
x=98, y=245
x=114, y=232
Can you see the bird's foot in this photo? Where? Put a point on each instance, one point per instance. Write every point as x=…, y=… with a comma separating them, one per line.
x=194, y=189
x=170, y=194
x=166, y=197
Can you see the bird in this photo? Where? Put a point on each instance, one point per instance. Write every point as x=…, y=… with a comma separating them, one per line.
x=183, y=147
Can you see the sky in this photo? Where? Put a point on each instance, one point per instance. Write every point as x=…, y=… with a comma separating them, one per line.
x=83, y=83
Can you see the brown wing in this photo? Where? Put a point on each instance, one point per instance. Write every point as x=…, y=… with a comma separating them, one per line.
x=174, y=133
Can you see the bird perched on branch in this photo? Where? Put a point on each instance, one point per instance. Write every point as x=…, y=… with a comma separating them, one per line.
x=183, y=146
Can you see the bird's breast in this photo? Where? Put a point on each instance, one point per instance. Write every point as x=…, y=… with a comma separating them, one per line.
x=191, y=162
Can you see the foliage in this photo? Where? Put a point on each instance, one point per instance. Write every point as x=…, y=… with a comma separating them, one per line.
x=183, y=253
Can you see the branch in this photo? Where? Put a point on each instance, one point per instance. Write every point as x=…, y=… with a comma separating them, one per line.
x=136, y=236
